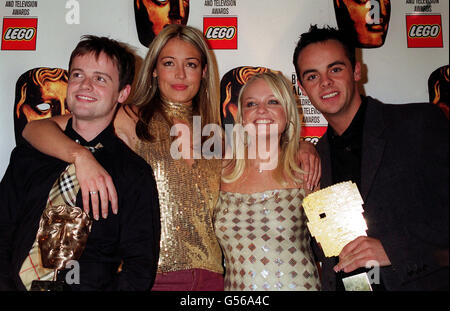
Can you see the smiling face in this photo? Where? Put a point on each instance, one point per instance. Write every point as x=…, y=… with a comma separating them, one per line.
x=93, y=88
x=359, y=18
x=262, y=108
x=179, y=71
x=62, y=236
x=328, y=79
x=230, y=86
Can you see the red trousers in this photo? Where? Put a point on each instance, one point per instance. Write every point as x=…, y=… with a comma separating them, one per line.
x=189, y=280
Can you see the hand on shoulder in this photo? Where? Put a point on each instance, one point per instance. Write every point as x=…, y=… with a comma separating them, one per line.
x=125, y=124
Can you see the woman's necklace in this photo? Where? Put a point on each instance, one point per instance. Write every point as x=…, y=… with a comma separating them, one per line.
x=177, y=110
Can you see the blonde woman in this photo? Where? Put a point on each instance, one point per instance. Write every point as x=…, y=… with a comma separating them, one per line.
x=259, y=219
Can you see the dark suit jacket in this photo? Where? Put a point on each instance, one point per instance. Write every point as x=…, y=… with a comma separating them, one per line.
x=404, y=185
x=131, y=237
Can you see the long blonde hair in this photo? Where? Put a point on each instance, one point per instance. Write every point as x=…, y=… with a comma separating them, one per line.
x=147, y=97
x=287, y=168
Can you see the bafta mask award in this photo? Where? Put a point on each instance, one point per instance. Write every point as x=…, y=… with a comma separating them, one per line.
x=62, y=236
x=335, y=219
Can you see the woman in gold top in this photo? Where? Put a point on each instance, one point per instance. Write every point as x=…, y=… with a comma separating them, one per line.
x=260, y=222
x=178, y=80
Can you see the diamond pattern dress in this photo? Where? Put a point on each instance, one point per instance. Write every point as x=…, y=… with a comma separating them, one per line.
x=265, y=241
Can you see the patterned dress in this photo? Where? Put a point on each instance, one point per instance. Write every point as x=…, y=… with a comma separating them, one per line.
x=265, y=241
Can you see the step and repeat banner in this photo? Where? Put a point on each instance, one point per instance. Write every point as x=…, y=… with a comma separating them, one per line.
x=403, y=46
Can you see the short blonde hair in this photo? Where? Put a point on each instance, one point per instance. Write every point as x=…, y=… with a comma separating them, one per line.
x=287, y=168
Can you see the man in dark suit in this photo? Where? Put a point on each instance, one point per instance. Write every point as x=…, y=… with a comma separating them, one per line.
x=398, y=157
x=101, y=71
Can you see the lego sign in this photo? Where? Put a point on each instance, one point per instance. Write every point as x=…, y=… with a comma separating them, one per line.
x=220, y=32
x=19, y=34
x=424, y=31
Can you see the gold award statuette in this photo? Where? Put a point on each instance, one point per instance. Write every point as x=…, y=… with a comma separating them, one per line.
x=335, y=219
x=62, y=236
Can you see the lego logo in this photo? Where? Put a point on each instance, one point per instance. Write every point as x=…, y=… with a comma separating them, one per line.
x=220, y=32
x=18, y=33
x=424, y=31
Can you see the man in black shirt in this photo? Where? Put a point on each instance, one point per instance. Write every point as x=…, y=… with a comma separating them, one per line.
x=398, y=157
x=101, y=71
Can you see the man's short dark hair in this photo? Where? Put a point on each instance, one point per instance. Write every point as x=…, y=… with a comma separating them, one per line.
x=315, y=35
x=116, y=51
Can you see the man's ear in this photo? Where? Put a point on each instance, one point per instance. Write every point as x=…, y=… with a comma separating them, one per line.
x=301, y=88
x=124, y=93
x=357, y=72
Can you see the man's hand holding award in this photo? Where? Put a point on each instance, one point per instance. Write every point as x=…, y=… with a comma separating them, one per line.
x=335, y=219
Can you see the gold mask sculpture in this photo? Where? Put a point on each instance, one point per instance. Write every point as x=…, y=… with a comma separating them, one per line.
x=62, y=236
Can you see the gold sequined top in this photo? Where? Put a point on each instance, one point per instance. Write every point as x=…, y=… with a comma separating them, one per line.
x=187, y=196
